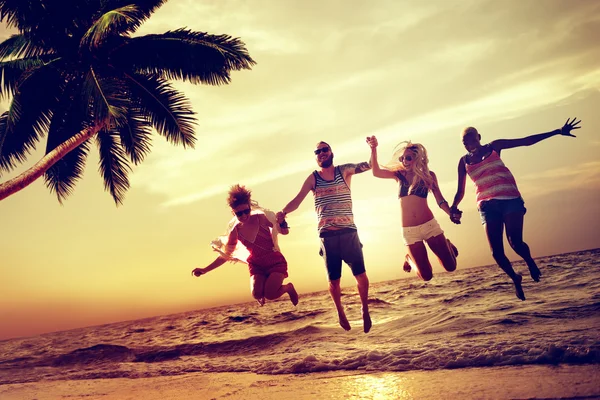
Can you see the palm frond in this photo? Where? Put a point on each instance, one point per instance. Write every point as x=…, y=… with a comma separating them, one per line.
x=20, y=45
x=135, y=136
x=110, y=23
x=184, y=55
x=145, y=8
x=28, y=117
x=70, y=117
x=113, y=164
x=167, y=109
x=14, y=71
x=105, y=94
x=62, y=176
x=21, y=14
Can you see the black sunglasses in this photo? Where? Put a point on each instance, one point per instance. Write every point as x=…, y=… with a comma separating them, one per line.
x=322, y=150
x=244, y=211
x=407, y=158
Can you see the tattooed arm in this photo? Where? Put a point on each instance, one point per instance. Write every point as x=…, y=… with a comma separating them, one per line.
x=351, y=169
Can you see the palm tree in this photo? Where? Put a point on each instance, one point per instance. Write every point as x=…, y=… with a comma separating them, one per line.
x=74, y=72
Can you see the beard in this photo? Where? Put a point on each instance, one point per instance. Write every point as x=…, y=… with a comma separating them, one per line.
x=326, y=163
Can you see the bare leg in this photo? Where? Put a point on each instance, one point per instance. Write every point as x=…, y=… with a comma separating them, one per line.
x=418, y=254
x=362, y=284
x=336, y=296
x=494, y=232
x=453, y=248
x=274, y=288
x=441, y=247
x=514, y=234
x=257, y=287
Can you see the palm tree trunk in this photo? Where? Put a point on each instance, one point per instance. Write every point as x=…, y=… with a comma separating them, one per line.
x=26, y=178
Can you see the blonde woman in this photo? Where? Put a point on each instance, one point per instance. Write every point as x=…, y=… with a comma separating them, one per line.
x=409, y=168
x=256, y=228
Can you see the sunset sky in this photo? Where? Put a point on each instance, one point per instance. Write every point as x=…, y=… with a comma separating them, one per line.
x=327, y=70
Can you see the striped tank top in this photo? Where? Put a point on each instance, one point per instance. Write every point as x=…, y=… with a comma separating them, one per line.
x=333, y=203
x=492, y=179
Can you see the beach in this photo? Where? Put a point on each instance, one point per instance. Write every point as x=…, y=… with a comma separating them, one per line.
x=463, y=335
x=523, y=382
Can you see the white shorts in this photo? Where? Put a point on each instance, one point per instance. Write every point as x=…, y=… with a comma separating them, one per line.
x=414, y=234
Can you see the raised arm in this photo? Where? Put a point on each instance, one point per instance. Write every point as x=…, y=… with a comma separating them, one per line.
x=293, y=205
x=501, y=144
x=437, y=193
x=220, y=260
x=352, y=169
x=378, y=172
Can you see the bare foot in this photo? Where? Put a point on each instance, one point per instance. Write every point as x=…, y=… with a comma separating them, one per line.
x=293, y=294
x=344, y=322
x=453, y=248
x=535, y=272
x=518, y=289
x=406, y=267
x=366, y=321
x=261, y=301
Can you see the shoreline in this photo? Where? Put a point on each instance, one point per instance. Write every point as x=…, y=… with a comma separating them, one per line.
x=507, y=382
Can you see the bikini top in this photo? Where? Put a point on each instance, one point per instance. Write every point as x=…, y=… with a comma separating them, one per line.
x=420, y=190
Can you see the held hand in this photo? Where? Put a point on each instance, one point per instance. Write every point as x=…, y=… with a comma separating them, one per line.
x=455, y=215
x=569, y=126
x=372, y=141
x=198, y=271
x=280, y=217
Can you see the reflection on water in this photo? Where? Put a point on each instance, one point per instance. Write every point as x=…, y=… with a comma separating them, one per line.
x=376, y=387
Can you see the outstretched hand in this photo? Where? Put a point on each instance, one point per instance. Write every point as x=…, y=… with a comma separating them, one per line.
x=198, y=271
x=372, y=141
x=570, y=126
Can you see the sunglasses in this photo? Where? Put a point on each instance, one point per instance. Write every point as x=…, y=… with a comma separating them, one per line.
x=322, y=150
x=244, y=211
x=407, y=158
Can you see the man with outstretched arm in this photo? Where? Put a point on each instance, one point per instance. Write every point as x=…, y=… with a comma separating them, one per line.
x=339, y=239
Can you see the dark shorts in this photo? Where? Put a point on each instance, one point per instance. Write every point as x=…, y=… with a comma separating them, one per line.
x=338, y=246
x=496, y=210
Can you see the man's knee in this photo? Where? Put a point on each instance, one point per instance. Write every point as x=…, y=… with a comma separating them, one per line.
x=362, y=279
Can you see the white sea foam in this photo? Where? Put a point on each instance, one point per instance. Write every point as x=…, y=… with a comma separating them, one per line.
x=469, y=318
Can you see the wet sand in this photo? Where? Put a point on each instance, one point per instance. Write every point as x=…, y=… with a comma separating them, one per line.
x=520, y=382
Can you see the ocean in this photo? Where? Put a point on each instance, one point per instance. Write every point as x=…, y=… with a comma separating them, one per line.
x=468, y=318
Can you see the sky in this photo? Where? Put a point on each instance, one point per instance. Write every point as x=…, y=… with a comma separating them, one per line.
x=327, y=70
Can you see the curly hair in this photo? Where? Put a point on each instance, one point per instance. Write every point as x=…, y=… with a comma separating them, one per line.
x=238, y=195
x=420, y=169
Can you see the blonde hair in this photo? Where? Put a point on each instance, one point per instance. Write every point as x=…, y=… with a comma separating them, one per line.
x=420, y=166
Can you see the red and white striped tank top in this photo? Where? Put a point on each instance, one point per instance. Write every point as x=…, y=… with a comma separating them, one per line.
x=492, y=179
